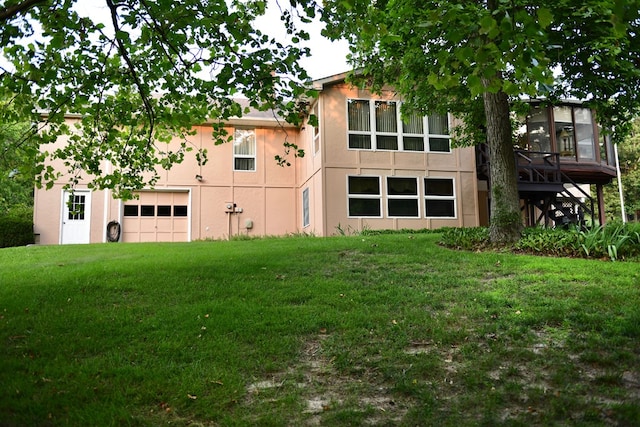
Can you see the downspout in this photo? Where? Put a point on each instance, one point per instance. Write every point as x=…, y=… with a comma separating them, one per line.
x=106, y=204
x=615, y=151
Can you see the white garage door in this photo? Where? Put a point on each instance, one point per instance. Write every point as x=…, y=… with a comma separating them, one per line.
x=157, y=216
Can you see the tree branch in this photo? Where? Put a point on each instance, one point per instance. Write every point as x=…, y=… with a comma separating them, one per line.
x=125, y=55
x=7, y=13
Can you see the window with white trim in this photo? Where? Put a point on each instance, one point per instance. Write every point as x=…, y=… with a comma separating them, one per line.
x=364, y=196
x=244, y=150
x=305, y=208
x=359, y=124
x=439, y=138
x=440, y=199
x=76, y=205
x=402, y=197
x=316, y=130
x=381, y=130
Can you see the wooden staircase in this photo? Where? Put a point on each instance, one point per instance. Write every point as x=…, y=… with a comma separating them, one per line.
x=548, y=196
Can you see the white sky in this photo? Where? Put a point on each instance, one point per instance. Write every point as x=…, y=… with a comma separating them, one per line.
x=328, y=58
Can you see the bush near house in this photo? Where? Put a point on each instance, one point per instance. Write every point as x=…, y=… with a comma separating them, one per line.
x=615, y=241
x=16, y=228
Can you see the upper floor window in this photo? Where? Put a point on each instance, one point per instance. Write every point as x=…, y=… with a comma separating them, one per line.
x=316, y=129
x=385, y=129
x=244, y=150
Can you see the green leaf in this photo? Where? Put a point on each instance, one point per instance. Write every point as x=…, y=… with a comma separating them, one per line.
x=487, y=24
x=545, y=17
x=475, y=85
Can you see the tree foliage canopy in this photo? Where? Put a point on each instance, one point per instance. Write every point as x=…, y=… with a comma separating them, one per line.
x=17, y=159
x=142, y=73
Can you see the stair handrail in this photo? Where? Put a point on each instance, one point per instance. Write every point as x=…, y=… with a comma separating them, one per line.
x=550, y=162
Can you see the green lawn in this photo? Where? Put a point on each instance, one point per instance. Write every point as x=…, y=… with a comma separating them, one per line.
x=383, y=330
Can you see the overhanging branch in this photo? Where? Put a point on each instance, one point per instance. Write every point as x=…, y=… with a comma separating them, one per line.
x=10, y=12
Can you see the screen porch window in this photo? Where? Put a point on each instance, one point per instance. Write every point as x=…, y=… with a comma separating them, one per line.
x=584, y=133
x=565, y=138
x=440, y=200
x=244, y=150
x=402, y=197
x=364, y=196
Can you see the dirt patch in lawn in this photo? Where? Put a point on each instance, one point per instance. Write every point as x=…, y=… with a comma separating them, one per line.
x=325, y=393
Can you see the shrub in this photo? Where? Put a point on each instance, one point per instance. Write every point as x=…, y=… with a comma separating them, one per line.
x=614, y=241
x=468, y=238
x=549, y=241
x=16, y=228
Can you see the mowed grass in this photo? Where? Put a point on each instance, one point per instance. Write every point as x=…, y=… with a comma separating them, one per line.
x=376, y=330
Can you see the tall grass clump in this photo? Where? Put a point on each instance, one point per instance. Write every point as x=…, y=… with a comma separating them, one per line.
x=613, y=241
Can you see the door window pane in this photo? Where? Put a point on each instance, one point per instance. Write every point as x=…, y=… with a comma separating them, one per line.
x=76, y=205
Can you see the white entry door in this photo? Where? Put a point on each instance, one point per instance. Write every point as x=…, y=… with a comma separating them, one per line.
x=76, y=217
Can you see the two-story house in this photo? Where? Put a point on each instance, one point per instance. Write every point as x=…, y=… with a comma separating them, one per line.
x=364, y=168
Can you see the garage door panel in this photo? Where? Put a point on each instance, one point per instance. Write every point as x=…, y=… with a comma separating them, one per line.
x=156, y=217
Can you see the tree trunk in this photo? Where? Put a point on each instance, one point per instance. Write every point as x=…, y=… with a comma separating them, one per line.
x=506, y=220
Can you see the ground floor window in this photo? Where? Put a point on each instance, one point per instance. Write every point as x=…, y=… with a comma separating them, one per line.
x=365, y=197
x=305, y=208
x=402, y=197
x=440, y=200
